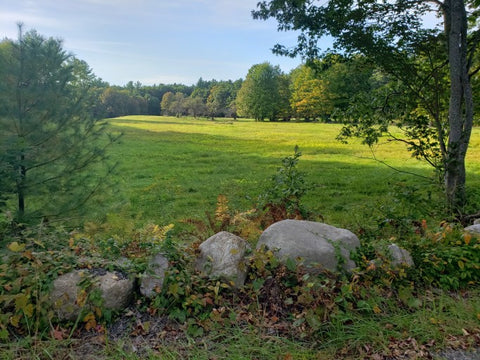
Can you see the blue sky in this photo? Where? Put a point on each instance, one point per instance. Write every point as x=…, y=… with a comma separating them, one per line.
x=154, y=41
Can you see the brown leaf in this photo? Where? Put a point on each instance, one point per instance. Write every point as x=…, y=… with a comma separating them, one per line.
x=58, y=333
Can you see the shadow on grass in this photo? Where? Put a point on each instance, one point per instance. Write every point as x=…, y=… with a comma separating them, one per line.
x=168, y=176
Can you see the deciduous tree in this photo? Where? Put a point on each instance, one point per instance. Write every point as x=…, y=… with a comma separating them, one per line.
x=392, y=34
x=309, y=97
x=260, y=96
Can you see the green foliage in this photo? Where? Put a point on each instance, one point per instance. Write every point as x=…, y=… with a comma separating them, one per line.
x=283, y=195
x=263, y=94
x=50, y=142
x=310, y=98
x=448, y=258
x=187, y=296
x=402, y=215
x=37, y=256
x=393, y=36
x=113, y=239
x=294, y=301
x=29, y=265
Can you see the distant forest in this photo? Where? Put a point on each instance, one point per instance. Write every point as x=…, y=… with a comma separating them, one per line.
x=312, y=92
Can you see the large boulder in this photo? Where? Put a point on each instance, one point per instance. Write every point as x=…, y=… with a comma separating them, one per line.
x=151, y=282
x=116, y=291
x=315, y=243
x=223, y=255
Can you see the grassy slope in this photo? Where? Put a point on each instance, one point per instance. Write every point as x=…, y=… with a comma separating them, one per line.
x=174, y=168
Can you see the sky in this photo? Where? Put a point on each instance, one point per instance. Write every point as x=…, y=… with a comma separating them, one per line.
x=155, y=41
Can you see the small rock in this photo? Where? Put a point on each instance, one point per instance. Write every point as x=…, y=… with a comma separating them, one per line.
x=152, y=280
x=399, y=256
x=473, y=229
x=223, y=255
x=116, y=291
x=64, y=295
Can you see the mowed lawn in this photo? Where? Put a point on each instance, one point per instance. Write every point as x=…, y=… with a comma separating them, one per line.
x=172, y=169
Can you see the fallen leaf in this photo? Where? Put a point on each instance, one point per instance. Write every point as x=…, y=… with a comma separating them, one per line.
x=58, y=333
x=16, y=247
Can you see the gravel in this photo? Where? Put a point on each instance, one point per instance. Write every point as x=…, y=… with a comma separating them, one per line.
x=457, y=355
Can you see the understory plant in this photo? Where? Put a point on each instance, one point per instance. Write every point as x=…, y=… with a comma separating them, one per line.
x=282, y=196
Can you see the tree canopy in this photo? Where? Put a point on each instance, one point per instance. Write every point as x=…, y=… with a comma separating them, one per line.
x=432, y=65
x=262, y=95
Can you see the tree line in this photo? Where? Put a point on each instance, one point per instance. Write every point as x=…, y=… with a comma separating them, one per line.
x=313, y=91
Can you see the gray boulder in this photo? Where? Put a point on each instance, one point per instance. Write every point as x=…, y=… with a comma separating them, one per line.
x=65, y=293
x=399, y=256
x=223, y=255
x=315, y=243
x=116, y=292
x=473, y=229
x=152, y=280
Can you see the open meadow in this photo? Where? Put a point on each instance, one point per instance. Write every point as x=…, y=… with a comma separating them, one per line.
x=171, y=169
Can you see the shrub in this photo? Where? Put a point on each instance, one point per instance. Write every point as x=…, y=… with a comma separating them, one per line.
x=283, y=195
x=448, y=258
x=30, y=263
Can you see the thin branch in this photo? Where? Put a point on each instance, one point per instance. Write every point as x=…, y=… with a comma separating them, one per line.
x=398, y=170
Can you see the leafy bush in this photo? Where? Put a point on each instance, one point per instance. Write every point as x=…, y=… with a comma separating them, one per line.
x=34, y=257
x=407, y=205
x=282, y=197
x=448, y=258
x=30, y=263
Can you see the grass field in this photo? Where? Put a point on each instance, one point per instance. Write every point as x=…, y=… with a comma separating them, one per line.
x=172, y=169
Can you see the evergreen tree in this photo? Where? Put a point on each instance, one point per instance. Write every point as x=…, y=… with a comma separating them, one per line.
x=51, y=146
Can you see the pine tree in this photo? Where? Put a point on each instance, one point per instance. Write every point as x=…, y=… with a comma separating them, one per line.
x=52, y=149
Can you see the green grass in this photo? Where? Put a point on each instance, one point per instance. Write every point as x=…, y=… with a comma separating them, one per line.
x=174, y=168
x=442, y=320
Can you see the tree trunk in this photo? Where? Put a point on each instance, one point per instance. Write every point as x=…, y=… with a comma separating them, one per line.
x=461, y=103
x=21, y=190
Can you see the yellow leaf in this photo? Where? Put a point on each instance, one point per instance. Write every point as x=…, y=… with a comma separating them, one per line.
x=467, y=238
x=14, y=320
x=89, y=317
x=98, y=311
x=16, y=247
x=90, y=321
x=82, y=298
x=376, y=309
x=21, y=302
x=28, y=310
